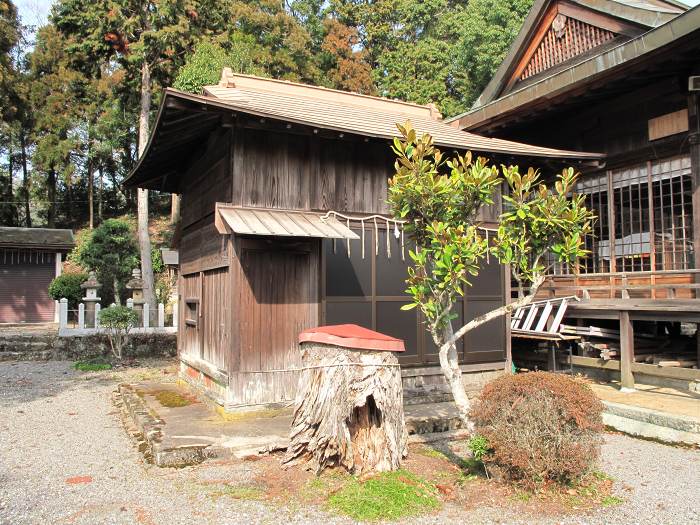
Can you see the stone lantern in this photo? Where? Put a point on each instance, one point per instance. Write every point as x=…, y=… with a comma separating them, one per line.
x=90, y=300
x=135, y=284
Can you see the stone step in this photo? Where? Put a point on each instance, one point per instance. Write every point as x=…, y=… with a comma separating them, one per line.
x=431, y=418
x=425, y=397
x=652, y=424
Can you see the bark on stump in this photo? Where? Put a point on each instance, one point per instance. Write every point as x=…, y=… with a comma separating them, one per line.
x=349, y=410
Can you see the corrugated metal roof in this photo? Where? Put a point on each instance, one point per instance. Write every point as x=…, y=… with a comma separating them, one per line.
x=36, y=238
x=279, y=223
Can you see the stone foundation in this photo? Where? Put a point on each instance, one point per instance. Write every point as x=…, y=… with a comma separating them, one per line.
x=47, y=346
x=420, y=384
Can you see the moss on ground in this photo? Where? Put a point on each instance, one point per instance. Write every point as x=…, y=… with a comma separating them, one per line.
x=171, y=399
x=387, y=496
x=92, y=365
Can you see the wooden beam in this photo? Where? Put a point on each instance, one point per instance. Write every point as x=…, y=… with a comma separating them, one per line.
x=627, y=351
x=683, y=374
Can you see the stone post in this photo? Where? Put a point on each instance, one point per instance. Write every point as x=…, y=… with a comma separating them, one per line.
x=135, y=284
x=90, y=300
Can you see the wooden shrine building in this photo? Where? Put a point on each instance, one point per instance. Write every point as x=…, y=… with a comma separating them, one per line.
x=620, y=78
x=284, y=227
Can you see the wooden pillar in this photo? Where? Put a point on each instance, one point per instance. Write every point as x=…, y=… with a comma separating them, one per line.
x=611, y=232
x=626, y=351
x=694, y=143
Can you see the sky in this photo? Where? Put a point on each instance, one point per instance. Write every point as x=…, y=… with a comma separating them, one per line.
x=34, y=12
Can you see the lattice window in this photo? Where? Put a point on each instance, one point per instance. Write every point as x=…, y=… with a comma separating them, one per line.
x=597, y=242
x=631, y=203
x=652, y=214
x=673, y=212
x=566, y=39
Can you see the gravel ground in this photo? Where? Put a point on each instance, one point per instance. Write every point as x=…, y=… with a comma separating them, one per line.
x=65, y=458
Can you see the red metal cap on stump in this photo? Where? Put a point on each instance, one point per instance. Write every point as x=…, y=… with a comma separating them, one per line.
x=352, y=336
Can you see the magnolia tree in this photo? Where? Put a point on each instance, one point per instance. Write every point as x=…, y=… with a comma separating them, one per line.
x=439, y=199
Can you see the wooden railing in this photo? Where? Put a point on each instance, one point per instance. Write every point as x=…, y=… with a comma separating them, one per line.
x=667, y=284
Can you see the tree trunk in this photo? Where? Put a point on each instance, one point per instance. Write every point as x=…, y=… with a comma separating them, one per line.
x=51, y=196
x=25, y=181
x=174, y=208
x=69, y=191
x=117, y=295
x=349, y=411
x=100, y=189
x=91, y=191
x=449, y=363
x=8, y=210
x=449, y=359
x=142, y=194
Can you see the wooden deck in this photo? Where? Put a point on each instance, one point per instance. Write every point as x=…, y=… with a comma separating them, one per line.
x=661, y=296
x=682, y=310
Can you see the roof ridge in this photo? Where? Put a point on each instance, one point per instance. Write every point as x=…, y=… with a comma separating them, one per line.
x=228, y=80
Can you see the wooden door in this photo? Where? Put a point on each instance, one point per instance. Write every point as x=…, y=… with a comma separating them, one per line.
x=278, y=299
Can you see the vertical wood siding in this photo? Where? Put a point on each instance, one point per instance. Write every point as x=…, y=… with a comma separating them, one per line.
x=281, y=170
x=209, y=337
x=207, y=181
x=216, y=320
x=276, y=298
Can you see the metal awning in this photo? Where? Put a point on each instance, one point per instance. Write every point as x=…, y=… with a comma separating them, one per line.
x=279, y=223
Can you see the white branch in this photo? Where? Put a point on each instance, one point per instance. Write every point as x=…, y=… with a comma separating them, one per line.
x=494, y=314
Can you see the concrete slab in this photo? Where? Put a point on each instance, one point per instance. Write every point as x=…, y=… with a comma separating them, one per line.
x=667, y=414
x=184, y=435
x=663, y=399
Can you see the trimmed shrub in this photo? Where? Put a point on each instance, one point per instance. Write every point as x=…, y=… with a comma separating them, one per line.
x=112, y=252
x=68, y=285
x=541, y=428
x=118, y=320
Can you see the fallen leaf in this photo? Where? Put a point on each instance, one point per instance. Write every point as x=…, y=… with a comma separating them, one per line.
x=445, y=489
x=75, y=480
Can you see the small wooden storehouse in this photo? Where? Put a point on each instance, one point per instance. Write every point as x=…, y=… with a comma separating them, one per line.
x=30, y=258
x=284, y=227
x=621, y=78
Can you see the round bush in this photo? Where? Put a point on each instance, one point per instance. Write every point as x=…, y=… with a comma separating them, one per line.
x=68, y=285
x=541, y=427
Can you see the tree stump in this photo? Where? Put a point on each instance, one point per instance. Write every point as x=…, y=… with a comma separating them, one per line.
x=349, y=405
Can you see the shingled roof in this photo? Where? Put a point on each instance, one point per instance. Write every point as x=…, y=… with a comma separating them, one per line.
x=47, y=238
x=304, y=105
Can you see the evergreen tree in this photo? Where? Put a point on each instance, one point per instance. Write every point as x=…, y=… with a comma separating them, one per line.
x=10, y=33
x=487, y=30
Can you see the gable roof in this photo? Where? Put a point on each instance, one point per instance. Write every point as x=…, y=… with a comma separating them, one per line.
x=47, y=238
x=680, y=34
x=617, y=20
x=303, y=105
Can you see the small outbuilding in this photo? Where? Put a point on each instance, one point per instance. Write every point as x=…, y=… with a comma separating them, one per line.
x=285, y=226
x=30, y=258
